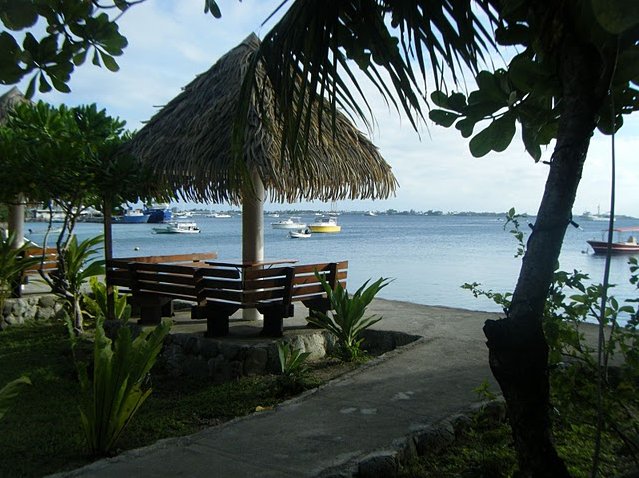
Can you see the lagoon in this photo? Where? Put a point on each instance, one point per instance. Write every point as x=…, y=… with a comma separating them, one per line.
x=429, y=257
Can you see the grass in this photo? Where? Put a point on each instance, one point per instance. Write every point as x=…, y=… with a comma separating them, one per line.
x=486, y=450
x=41, y=434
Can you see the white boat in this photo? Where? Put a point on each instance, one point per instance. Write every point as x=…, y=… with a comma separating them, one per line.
x=178, y=228
x=300, y=234
x=370, y=213
x=327, y=224
x=219, y=215
x=290, y=223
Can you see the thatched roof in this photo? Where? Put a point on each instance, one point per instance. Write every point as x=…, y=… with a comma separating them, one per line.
x=8, y=101
x=188, y=145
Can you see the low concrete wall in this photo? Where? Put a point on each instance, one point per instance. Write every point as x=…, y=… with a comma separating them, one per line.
x=226, y=359
x=29, y=308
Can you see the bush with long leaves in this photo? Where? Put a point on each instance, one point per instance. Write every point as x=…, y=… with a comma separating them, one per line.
x=347, y=319
x=9, y=393
x=293, y=367
x=96, y=305
x=119, y=383
x=12, y=264
x=74, y=268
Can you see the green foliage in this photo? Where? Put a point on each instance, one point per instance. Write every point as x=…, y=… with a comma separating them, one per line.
x=12, y=264
x=74, y=268
x=572, y=305
x=293, y=367
x=347, y=319
x=96, y=306
x=118, y=386
x=10, y=392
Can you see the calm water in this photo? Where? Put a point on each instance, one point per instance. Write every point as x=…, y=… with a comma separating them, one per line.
x=429, y=257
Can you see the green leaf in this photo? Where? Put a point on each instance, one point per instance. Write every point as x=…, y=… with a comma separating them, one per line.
x=466, y=126
x=443, y=118
x=616, y=16
x=513, y=34
x=496, y=137
x=211, y=6
x=18, y=14
x=440, y=99
x=109, y=62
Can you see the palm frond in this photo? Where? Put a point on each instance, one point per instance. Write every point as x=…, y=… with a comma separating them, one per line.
x=305, y=54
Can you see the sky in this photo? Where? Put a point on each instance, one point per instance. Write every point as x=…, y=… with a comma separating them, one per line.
x=170, y=42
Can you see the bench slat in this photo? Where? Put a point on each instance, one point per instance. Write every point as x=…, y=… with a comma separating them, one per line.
x=320, y=267
x=166, y=268
x=220, y=284
x=227, y=295
x=193, y=257
x=166, y=278
x=165, y=289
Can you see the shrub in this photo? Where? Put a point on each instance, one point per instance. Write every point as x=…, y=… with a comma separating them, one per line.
x=293, y=368
x=118, y=385
x=12, y=264
x=96, y=306
x=9, y=393
x=347, y=319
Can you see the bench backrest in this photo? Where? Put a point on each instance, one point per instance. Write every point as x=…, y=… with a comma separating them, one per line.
x=119, y=272
x=48, y=259
x=262, y=286
x=227, y=284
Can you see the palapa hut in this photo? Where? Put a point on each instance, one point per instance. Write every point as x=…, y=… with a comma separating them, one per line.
x=187, y=144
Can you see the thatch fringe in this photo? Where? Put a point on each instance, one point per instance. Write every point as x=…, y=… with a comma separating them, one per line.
x=187, y=145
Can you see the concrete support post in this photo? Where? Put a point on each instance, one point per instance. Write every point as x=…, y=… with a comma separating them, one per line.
x=253, y=230
x=15, y=221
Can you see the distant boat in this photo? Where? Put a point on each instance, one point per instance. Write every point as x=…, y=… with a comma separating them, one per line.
x=132, y=216
x=274, y=215
x=300, y=234
x=219, y=215
x=184, y=214
x=158, y=213
x=327, y=224
x=370, y=213
x=178, y=228
x=290, y=223
x=629, y=246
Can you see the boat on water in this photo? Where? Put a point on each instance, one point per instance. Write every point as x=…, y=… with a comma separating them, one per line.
x=178, y=228
x=158, y=213
x=132, y=216
x=371, y=213
x=300, y=234
x=219, y=215
x=629, y=246
x=290, y=223
x=327, y=224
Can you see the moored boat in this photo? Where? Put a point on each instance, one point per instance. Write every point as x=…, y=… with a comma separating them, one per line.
x=158, y=213
x=327, y=224
x=178, y=228
x=300, y=234
x=132, y=216
x=629, y=246
x=290, y=223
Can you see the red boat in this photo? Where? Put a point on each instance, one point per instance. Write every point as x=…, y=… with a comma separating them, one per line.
x=629, y=246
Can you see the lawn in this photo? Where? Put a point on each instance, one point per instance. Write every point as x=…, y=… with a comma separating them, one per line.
x=41, y=434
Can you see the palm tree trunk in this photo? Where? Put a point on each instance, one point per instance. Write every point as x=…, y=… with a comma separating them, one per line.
x=518, y=351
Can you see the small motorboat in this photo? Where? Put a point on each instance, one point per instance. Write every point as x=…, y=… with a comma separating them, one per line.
x=300, y=234
x=629, y=246
x=178, y=228
x=325, y=225
x=290, y=223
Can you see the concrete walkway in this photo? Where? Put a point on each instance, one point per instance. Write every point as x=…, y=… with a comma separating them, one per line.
x=329, y=430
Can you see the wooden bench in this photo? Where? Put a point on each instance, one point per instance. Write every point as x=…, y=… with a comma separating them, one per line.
x=48, y=263
x=122, y=273
x=219, y=291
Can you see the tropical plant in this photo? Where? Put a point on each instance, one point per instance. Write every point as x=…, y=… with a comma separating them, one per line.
x=9, y=393
x=118, y=384
x=12, y=263
x=293, y=367
x=95, y=304
x=347, y=321
x=74, y=268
